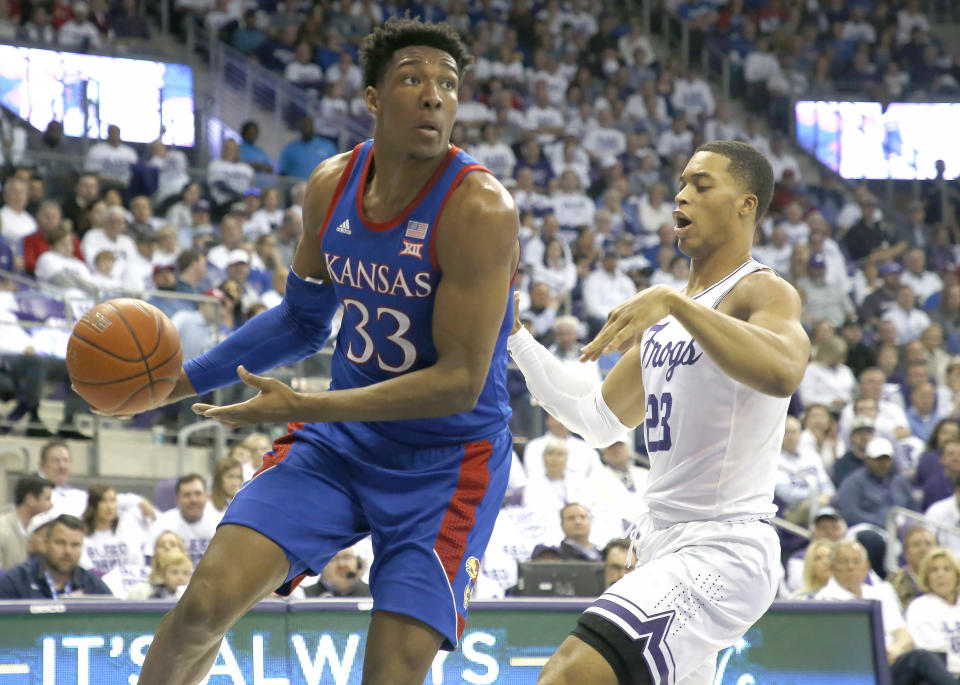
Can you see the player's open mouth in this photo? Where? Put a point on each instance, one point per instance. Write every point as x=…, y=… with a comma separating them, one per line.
x=682, y=221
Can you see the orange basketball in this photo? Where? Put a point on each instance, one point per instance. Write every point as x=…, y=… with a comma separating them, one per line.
x=124, y=356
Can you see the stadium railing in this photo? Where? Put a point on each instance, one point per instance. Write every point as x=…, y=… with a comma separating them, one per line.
x=898, y=520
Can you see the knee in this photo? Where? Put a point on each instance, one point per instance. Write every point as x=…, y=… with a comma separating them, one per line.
x=204, y=609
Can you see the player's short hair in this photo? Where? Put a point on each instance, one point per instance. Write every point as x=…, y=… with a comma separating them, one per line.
x=749, y=167
x=397, y=33
x=189, y=478
x=45, y=450
x=29, y=485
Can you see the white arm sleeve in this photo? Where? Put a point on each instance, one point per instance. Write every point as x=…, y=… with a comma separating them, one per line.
x=574, y=401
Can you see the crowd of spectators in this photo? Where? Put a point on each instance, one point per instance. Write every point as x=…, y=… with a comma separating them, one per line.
x=588, y=127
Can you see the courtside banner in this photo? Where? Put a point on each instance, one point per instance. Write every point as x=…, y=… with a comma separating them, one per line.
x=314, y=642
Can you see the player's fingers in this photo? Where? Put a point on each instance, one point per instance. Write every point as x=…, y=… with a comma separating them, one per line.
x=202, y=409
x=622, y=338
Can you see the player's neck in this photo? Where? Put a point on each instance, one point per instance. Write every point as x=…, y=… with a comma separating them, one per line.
x=714, y=267
x=394, y=180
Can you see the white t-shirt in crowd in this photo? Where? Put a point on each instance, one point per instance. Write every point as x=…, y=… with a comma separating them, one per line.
x=947, y=513
x=935, y=625
x=111, y=163
x=882, y=592
x=15, y=226
x=196, y=535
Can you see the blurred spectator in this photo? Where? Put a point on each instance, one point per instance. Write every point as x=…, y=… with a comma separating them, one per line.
x=823, y=300
x=849, y=566
x=301, y=156
x=289, y=235
x=13, y=140
x=909, y=321
x=178, y=214
x=61, y=267
x=303, y=71
x=143, y=219
x=227, y=479
x=923, y=412
x=782, y=160
x=250, y=152
x=170, y=574
x=168, y=545
x=581, y=459
x=78, y=206
x=238, y=270
x=191, y=272
x=922, y=282
x=39, y=29
x=228, y=176
x=49, y=220
x=618, y=484
x=861, y=433
x=172, y=176
x=575, y=522
x=917, y=541
x=111, y=159
x=604, y=142
x=341, y=577
x=775, y=253
x=129, y=26
x=31, y=496
x=876, y=304
x=168, y=246
x=138, y=271
x=867, y=494
x=200, y=328
x=347, y=73
x=800, y=475
x=616, y=558
x=16, y=223
x=80, y=33
x=493, y=153
x=547, y=494
x=679, y=139
x=816, y=568
x=190, y=519
x=114, y=540
x=604, y=289
x=827, y=380
x=56, y=574
x=692, y=96
x=542, y=311
x=249, y=37
x=827, y=525
x=557, y=270
x=946, y=511
x=655, y=208
x=113, y=237
x=231, y=238
x=224, y=14
x=931, y=617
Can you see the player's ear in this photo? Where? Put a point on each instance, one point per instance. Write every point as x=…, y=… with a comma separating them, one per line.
x=372, y=99
x=748, y=204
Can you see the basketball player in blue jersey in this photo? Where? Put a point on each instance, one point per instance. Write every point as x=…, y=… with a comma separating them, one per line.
x=707, y=374
x=419, y=244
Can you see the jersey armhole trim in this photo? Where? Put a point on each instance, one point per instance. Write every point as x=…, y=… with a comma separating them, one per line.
x=431, y=248
x=730, y=289
x=338, y=191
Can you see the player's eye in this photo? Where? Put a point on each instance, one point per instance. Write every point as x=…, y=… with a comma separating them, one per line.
x=412, y=80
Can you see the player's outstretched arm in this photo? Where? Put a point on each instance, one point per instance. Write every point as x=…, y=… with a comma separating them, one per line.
x=760, y=343
x=600, y=414
x=294, y=329
x=477, y=251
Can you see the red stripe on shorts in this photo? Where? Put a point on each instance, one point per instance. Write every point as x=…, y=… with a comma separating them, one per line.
x=451, y=543
x=281, y=446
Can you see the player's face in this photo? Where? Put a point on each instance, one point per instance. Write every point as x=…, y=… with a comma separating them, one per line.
x=63, y=548
x=708, y=201
x=416, y=101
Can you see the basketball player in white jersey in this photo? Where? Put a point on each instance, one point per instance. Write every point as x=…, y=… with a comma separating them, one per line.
x=707, y=374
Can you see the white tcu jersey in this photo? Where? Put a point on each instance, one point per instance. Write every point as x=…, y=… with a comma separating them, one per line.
x=713, y=442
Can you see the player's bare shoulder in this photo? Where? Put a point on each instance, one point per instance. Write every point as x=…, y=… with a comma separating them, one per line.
x=481, y=199
x=321, y=188
x=762, y=290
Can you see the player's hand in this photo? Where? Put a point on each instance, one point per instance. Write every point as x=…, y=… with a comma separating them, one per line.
x=516, y=313
x=275, y=402
x=628, y=321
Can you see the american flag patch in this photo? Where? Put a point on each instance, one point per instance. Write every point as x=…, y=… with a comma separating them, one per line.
x=417, y=229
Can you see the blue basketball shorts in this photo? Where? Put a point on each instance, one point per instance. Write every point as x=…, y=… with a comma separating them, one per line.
x=430, y=512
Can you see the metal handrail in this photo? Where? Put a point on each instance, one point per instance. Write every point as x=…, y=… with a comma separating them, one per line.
x=219, y=444
x=790, y=527
x=890, y=560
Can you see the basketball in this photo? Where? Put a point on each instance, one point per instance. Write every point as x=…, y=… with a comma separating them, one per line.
x=124, y=356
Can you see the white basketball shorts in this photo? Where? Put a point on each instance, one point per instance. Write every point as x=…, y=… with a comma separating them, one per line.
x=698, y=587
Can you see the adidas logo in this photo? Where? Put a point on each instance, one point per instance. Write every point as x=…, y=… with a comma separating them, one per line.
x=344, y=227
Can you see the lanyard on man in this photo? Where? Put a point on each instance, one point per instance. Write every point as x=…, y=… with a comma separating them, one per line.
x=67, y=588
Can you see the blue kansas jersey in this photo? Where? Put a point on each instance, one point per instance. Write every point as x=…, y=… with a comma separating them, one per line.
x=386, y=275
